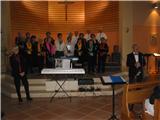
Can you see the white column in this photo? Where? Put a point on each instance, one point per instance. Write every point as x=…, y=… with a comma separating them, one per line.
x=125, y=30
x=5, y=33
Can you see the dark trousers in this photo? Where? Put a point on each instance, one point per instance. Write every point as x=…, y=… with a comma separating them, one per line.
x=29, y=64
x=91, y=64
x=34, y=59
x=50, y=61
x=134, y=75
x=101, y=64
x=40, y=62
x=17, y=82
x=135, y=80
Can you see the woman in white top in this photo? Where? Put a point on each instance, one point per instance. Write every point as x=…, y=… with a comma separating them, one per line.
x=69, y=46
x=149, y=103
x=60, y=46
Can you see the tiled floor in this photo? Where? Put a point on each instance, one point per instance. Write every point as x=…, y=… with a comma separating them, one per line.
x=86, y=108
x=80, y=108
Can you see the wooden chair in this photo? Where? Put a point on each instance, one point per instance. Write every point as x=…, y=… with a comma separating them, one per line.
x=135, y=94
x=157, y=109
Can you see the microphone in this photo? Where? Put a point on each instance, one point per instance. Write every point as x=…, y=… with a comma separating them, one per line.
x=138, y=73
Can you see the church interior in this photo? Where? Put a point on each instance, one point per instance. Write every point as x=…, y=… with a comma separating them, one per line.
x=62, y=85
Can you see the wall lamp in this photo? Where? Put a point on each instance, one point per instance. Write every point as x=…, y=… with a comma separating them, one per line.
x=156, y=5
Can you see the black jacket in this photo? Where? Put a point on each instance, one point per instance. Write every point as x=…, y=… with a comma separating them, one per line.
x=16, y=66
x=131, y=65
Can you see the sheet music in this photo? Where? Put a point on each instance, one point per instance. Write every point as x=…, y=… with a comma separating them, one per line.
x=107, y=79
x=58, y=63
x=66, y=64
x=113, y=79
x=62, y=71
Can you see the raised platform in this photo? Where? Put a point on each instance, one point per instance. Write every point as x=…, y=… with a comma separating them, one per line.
x=39, y=89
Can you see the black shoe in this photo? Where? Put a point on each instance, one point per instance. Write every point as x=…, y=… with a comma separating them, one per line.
x=29, y=99
x=20, y=100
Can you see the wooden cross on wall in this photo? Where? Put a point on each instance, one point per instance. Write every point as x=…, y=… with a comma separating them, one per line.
x=66, y=3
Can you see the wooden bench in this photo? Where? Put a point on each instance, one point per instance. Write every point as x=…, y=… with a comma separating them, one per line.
x=135, y=94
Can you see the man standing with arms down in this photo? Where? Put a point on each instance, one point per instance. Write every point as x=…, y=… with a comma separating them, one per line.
x=135, y=64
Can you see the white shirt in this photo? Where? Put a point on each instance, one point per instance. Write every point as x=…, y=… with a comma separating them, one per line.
x=136, y=56
x=149, y=108
x=87, y=36
x=60, y=47
x=74, y=39
x=100, y=35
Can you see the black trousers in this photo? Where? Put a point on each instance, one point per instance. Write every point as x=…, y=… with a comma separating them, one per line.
x=40, y=62
x=134, y=77
x=50, y=61
x=29, y=64
x=101, y=63
x=91, y=64
x=17, y=79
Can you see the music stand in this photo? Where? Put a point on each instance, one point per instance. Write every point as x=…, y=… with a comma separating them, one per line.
x=112, y=80
x=157, y=56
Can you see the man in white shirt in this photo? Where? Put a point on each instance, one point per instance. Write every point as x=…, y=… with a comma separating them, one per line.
x=135, y=63
x=100, y=35
x=60, y=46
x=88, y=35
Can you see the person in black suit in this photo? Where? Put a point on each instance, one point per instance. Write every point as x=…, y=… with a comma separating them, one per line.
x=18, y=72
x=135, y=63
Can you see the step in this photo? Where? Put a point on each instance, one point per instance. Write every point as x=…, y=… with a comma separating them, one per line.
x=38, y=88
x=11, y=87
x=31, y=87
x=9, y=79
x=43, y=94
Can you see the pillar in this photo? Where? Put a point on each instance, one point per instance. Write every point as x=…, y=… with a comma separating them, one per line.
x=5, y=34
x=125, y=30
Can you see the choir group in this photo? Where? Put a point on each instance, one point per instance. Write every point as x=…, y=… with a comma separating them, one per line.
x=89, y=48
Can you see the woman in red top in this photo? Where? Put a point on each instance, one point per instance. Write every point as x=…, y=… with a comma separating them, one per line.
x=102, y=55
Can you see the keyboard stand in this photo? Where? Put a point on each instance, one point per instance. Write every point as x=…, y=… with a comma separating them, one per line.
x=60, y=88
x=61, y=72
